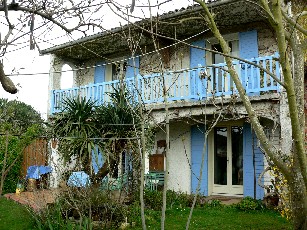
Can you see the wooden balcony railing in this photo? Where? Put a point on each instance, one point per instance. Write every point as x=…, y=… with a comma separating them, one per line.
x=185, y=84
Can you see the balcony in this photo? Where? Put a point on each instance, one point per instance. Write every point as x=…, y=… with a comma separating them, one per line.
x=187, y=84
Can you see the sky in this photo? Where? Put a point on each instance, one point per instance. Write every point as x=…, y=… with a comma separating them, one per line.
x=33, y=89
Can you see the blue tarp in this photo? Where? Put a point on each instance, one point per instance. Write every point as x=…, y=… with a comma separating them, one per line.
x=35, y=171
x=79, y=179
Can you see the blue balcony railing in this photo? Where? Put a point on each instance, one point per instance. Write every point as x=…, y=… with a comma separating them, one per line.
x=186, y=84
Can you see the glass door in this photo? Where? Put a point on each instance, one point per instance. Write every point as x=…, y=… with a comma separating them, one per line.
x=228, y=160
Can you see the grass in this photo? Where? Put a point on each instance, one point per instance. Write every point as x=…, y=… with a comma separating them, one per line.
x=218, y=218
x=14, y=216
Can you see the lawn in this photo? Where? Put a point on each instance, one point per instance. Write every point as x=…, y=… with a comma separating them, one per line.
x=14, y=216
x=218, y=218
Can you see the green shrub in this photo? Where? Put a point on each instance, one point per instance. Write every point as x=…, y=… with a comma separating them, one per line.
x=248, y=203
x=214, y=203
x=14, y=150
x=153, y=199
x=134, y=215
x=54, y=218
x=22, y=124
x=82, y=209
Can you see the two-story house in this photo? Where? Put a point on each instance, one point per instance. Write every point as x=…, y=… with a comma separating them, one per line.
x=199, y=90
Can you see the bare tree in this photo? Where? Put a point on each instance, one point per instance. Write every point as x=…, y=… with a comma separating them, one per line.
x=292, y=43
x=290, y=29
x=24, y=18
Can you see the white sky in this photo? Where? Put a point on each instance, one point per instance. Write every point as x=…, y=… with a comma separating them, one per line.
x=33, y=90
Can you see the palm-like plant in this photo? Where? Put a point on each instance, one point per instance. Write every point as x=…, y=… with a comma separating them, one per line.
x=81, y=127
x=120, y=118
x=75, y=128
x=117, y=121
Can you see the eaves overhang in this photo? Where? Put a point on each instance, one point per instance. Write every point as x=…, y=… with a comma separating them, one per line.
x=180, y=23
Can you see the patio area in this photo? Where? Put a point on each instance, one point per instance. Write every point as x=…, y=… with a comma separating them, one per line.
x=37, y=200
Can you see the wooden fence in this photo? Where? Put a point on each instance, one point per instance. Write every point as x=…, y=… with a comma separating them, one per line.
x=35, y=154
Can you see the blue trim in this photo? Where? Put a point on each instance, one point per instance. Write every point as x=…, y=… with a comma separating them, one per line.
x=99, y=74
x=52, y=101
x=97, y=159
x=197, y=59
x=130, y=68
x=248, y=165
x=197, y=145
x=151, y=90
x=248, y=48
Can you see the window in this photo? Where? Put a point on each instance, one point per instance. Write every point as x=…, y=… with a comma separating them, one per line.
x=67, y=77
x=219, y=82
x=118, y=69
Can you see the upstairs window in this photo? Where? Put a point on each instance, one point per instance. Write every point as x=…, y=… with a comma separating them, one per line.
x=67, y=77
x=118, y=69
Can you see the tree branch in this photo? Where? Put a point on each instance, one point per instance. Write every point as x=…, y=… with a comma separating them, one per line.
x=268, y=147
x=6, y=82
x=7, y=14
x=303, y=13
x=304, y=44
x=294, y=23
x=45, y=16
x=291, y=94
x=268, y=11
x=209, y=50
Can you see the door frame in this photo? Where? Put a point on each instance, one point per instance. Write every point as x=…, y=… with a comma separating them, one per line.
x=232, y=190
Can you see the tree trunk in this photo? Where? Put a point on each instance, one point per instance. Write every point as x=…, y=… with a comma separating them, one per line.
x=6, y=82
x=297, y=180
x=298, y=202
x=102, y=173
x=3, y=171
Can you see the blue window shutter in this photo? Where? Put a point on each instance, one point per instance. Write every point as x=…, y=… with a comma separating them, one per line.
x=248, y=44
x=128, y=162
x=99, y=74
x=130, y=68
x=197, y=145
x=197, y=57
x=248, y=48
x=248, y=165
x=97, y=159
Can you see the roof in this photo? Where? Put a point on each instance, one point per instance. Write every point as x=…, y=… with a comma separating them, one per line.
x=182, y=22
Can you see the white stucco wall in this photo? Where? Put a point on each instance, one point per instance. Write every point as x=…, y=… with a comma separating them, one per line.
x=266, y=42
x=85, y=76
x=179, y=58
x=179, y=157
x=273, y=133
x=58, y=166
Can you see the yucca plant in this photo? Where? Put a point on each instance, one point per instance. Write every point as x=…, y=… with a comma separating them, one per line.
x=117, y=122
x=75, y=127
x=120, y=117
x=81, y=127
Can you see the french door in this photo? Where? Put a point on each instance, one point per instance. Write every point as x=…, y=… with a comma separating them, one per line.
x=228, y=160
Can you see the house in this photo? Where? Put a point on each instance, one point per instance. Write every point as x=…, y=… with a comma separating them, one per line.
x=199, y=91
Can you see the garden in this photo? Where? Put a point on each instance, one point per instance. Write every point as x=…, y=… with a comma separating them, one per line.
x=84, y=132
x=248, y=214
